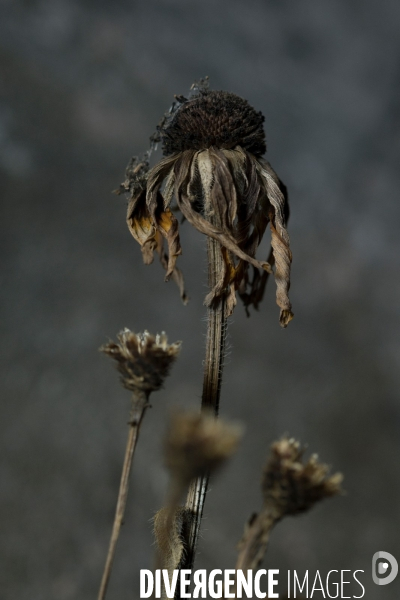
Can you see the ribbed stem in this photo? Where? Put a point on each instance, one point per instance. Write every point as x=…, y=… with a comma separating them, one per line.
x=139, y=405
x=213, y=365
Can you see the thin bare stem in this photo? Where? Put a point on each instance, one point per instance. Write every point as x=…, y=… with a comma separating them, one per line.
x=213, y=365
x=254, y=544
x=139, y=405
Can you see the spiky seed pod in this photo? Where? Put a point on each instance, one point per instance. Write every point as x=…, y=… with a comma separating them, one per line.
x=197, y=444
x=291, y=486
x=213, y=145
x=143, y=360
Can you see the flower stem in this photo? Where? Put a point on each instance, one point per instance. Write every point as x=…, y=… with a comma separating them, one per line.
x=139, y=405
x=213, y=365
x=253, y=546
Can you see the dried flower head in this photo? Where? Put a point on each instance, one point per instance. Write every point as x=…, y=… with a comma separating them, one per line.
x=198, y=443
x=291, y=486
x=213, y=144
x=144, y=360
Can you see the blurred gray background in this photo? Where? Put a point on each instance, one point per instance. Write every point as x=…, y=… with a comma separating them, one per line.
x=83, y=85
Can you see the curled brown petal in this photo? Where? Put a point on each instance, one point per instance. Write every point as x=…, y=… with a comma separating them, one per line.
x=149, y=230
x=283, y=259
x=279, y=241
x=176, y=274
x=155, y=177
x=167, y=225
x=141, y=226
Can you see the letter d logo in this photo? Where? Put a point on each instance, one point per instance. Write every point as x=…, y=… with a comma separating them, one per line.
x=383, y=567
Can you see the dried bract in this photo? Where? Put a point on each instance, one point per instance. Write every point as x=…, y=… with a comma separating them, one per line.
x=144, y=360
x=198, y=444
x=213, y=144
x=291, y=486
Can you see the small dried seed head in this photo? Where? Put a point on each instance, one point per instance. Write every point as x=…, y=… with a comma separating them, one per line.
x=144, y=360
x=219, y=119
x=197, y=444
x=291, y=486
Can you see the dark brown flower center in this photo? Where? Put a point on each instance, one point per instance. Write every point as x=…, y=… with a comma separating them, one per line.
x=217, y=119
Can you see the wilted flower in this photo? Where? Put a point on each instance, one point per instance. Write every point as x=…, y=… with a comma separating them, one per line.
x=144, y=360
x=213, y=144
x=291, y=486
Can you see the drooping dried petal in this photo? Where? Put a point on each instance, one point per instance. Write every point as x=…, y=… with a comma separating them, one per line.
x=155, y=177
x=177, y=275
x=167, y=225
x=144, y=360
x=279, y=239
x=149, y=215
x=229, y=217
x=218, y=192
x=141, y=226
x=283, y=259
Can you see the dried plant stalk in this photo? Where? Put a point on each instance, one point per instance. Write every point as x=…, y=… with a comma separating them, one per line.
x=139, y=405
x=197, y=445
x=144, y=361
x=213, y=367
x=255, y=540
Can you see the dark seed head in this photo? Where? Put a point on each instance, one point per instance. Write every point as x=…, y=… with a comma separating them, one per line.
x=217, y=119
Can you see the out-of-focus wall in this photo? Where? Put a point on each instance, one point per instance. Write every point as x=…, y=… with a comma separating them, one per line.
x=83, y=85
